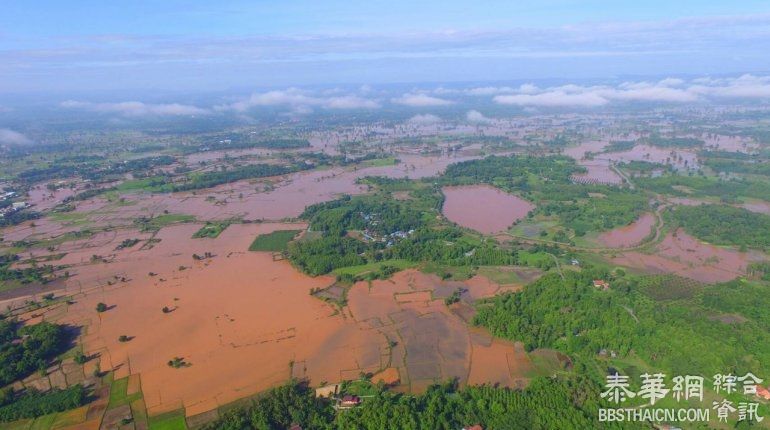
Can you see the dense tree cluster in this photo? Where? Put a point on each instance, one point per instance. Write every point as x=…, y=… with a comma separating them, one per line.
x=620, y=145
x=391, y=230
x=513, y=172
x=616, y=208
x=564, y=403
x=278, y=408
x=213, y=178
x=33, y=404
x=24, y=275
x=666, y=331
x=320, y=256
x=736, y=162
x=725, y=225
x=25, y=349
x=18, y=217
x=728, y=190
x=375, y=215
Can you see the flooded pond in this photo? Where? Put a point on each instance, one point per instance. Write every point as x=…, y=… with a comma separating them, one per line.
x=629, y=235
x=483, y=208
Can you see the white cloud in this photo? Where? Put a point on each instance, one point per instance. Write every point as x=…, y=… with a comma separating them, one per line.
x=669, y=90
x=424, y=119
x=477, y=117
x=288, y=97
x=552, y=99
x=488, y=91
x=420, y=100
x=8, y=136
x=444, y=91
x=301, y=101
x=528, y=89
x=134, y=108
x=650, y=93
x=350, y=102
x=705, y=81
x=746, y=86
x=671, y=82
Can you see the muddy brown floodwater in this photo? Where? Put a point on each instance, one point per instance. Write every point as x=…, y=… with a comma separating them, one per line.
x=682, y=254
x=245, y=321
x=483, y=208
x=598, y=171
x=629, y=235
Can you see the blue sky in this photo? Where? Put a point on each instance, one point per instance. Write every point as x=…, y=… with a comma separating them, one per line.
x=77, y=45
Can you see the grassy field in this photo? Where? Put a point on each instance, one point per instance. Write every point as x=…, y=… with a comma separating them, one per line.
x=501, y=274
x=118, y=394
x=455, y=273
x=169, y=421
x=276, y=241
x=161, y=221
x=360, y=388
x=534, y=259
x=70, y=218
x=373, y=267
x=145, y=184
x=380, y=162
x=43, y=423
x=211, y=230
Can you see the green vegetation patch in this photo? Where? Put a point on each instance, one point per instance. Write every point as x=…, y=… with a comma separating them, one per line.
x=725, y=225
x=365, y=231
x=119, y=393
x=277, y=241
x=548, y=181
x=146, y=224
x=447, y=272
x=727, y=190
x=11, y=278
x=174, y=420
x=575, y=318
x=545, y=403
x=196, y=181
x=380, y=162
x=35, y=404
x=374, y=267
x=669, y=287
x=211, y=230
x=154, y=184
x=500, y=274
x=360, y=387
x=44, y=422
x=70, y=218
x=25, y=349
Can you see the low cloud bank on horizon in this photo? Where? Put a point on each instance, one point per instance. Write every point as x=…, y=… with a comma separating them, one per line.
x=135, y=108
x=670, y=90
x=301, y=101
